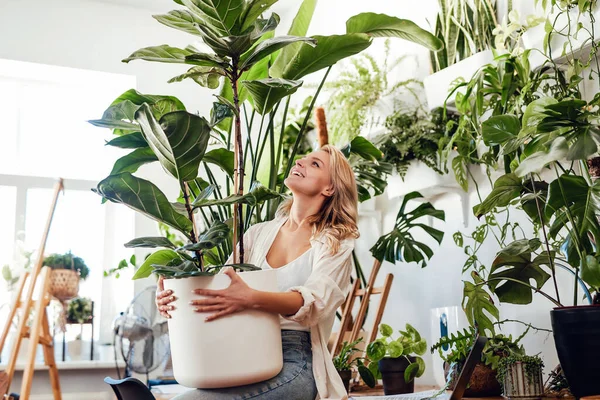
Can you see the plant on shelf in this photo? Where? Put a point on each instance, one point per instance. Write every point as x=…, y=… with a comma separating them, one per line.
x=254, y=68
x=79, y=310
x=396, y=361
x=521, y=376
x=346, y=359
x=69, y=262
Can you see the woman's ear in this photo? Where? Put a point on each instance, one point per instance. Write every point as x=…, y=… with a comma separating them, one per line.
x=328, y=191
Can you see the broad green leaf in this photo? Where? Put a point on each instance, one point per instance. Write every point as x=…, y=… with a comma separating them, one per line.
x=163, y=53
x=218, y=113
x=399, y=244
x=411, y=372
x=382, y=25
x=421, y=364
x=299, y=27
x=150, y=242
x=376, y=351
x=414, y=334
x=252, y=10
x=161, y=257
x=590, y=271
x=266, y=93
x=182, y=20
x=479, y=307
x=519, y=268
x=222, y=15
x=204, y=76
x=521, y=246
x=536, y=161
x=205, y=60
x=118, y=116
x=395, y=349
x=132, y=161
x=534, y=114
x=258, y=194
x=142, y=196
x=328, y=51
x=269, y=46
x=365, y=149
x=499, y=129
x=506, y=188
x=215, y=235
x=159, y=105
x=179, y=141
x=367, y=375
x=222, y=158
x=585, y=144
x=133, y=140
x=420, y=347
x=385, y=330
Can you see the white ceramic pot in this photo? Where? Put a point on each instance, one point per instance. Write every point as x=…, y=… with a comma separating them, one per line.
x=437, y=85
x=235, y=350
x=518, y=384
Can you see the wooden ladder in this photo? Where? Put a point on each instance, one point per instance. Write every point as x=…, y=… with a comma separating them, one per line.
x=37, y=297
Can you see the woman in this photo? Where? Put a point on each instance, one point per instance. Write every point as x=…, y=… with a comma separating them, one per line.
x=310, y=244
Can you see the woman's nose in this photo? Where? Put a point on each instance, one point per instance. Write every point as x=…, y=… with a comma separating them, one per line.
x=299, y=162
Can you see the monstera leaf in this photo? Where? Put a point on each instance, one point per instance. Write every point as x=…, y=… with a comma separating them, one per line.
x=143, y=196
x=399, y=244
x=179, y=140
x=506, y=188
x=479, y=306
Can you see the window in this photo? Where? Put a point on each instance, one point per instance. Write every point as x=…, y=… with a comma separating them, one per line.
x=46, y=135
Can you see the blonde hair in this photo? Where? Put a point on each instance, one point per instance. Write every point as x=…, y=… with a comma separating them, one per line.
x=336, y=220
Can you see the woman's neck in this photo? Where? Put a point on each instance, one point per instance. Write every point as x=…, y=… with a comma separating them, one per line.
x=301, y=209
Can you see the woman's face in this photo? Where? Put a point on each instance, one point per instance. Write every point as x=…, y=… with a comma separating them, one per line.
x=310, y=175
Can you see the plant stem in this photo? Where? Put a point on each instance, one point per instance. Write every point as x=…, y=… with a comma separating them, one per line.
x=238, y=217
x=486, y=282
x=541, y=217
x=188, y=207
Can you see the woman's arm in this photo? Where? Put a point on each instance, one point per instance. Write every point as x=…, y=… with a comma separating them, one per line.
x=285, y=303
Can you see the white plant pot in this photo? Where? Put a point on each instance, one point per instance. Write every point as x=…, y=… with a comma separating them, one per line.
x=79, y=349
x=518, y=385
x=235, y=350
x=438, y=85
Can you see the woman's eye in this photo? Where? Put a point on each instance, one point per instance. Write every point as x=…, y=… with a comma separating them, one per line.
x=315, y=163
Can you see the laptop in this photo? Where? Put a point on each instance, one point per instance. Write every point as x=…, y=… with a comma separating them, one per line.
x=461, y=385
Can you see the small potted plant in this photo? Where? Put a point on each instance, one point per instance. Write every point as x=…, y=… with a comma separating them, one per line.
x=397, y=360
x=67, y=270
x=521, y=377
x=345, y=359
x=79, y=311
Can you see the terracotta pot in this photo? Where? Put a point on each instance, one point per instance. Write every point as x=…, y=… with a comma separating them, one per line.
x=483, y=382
x=346, y=375
x=238, y=349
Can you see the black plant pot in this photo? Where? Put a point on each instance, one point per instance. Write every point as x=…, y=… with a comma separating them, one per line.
x=577, y=340
x=346, y=376
x=392, y=375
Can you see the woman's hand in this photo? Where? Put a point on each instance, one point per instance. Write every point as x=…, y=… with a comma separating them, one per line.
x=237, y=297
x=164, y=298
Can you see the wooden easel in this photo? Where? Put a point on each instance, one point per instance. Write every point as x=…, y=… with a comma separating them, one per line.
x=39, y=332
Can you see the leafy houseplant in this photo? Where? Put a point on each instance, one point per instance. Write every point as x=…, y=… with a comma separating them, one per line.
x=521, y=376
x=253, y=65
x=69, y=262
x=79, y=310
x=67, y=270
x=397, y=361
x=345, y=359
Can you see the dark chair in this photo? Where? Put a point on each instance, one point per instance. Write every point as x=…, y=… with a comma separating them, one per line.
x=130, y=389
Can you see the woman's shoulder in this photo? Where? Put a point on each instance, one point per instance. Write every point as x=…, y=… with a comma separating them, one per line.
x=264, y=226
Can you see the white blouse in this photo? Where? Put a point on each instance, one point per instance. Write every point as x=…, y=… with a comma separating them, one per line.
x=323, y=291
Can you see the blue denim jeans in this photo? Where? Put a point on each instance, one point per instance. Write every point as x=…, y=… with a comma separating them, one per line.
x=294, y=382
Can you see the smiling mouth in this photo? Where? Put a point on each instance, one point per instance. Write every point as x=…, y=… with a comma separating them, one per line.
x=297, y=174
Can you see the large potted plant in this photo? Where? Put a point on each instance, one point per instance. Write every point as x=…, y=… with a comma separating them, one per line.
x=396, y=361
x=253, y=64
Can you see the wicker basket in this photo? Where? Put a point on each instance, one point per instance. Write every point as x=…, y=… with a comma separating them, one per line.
x=64, y=284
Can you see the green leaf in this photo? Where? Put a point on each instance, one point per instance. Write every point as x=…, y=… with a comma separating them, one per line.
x=506, y=188
x=299, y=27
x=163, y=53
x=130, y=141
x=382, y=25
x=376, y=351
x=179, y=141
x=222, y=15
x=479, y=307
x=395, y=349
x=459, y=168
x=367, y=375
x=215, y=235
x=205, y=60
x=385, y=330
x=534, y=114
x=420, y=347
x=204, y=76
x=328, y=51
x=399, y=244
x=266, y=93
x=499, y=129
x=252, y=10
x=222, y=158
x=271, y=45
x=132, y=161
x=590, y=271
x=218, y=113
x=421, y=364
x=182, y=20
x=142, y=196
x=584, y=146
x=521, y=246
x=159, y=105
x=118, y=116
x=536, y=161
x=414, y=334
x=161, y=257
x=150, y=242
x=411, y=372
x=519, y=268
x=365, y=149
x=258, y=194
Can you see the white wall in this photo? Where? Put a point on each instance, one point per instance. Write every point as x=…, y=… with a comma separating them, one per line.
x=97, y=35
